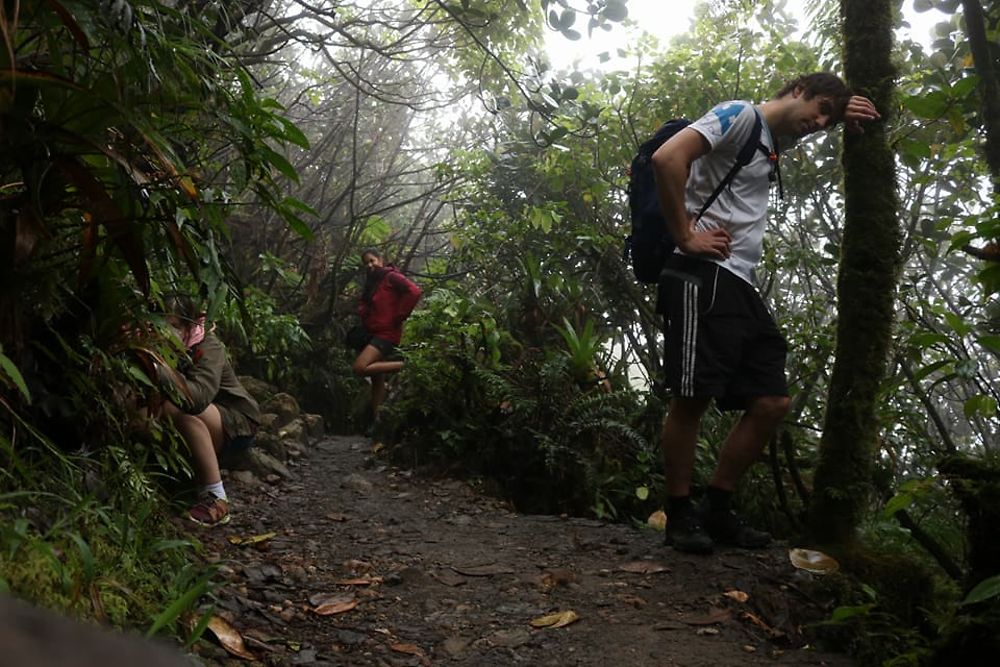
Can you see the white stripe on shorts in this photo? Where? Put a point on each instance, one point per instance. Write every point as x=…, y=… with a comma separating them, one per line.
x=689, y=338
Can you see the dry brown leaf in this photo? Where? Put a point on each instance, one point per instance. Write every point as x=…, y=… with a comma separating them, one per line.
x=229, y=638
x=337, y=605
x=657, y=520
x=483, y=570
x=556, y=619
x=713, y=616
x=644, y=567
x=816, y=562
x=739, y=596
x=411, y=649
x=253, y=539
x=759, y=622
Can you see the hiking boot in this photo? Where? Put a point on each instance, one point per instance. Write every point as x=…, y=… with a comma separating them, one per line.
x=209, y=511
x=728, y=528
x=685, y=532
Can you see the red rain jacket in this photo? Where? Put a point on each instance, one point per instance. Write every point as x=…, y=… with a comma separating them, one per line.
x=390, y=305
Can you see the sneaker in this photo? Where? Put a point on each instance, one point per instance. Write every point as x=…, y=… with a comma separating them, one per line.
x=685, y=532
x=728, y=528
x=209, y=511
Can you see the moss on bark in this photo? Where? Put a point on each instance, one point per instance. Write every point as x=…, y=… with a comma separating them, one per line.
x=866, y=283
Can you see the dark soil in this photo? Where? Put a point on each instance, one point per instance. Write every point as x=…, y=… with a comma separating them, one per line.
x=434, y=573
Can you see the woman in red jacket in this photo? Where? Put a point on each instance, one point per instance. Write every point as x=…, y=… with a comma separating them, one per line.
x=387, y=300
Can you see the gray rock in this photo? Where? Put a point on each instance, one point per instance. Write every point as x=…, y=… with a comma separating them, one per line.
x=284, y=405
x=273, y=445
x=267, y=421
x=260, y=463
x=315, y=428
x=245, y=477
x=356, y=482
x=259, y=389
x=294, y=431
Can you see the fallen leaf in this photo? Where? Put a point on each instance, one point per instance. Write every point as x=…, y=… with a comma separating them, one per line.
x=253, y=539
x=816, y=562
x=756, y=620
x=229, y=638
x=358, y=567
x=339, y=517
x=713, y=616
x=644, y=567
x=377, y=447
x=667, y=625
x=657, y=520
x=483, y=570
x=556, y=620
x=739, y=596
x=550, y=579
x=411, y=649
x=337, y=605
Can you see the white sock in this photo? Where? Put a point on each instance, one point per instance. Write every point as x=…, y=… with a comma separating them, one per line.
x=216, y=490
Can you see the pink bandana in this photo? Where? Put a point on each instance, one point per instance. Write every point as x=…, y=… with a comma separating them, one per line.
x=195, y=333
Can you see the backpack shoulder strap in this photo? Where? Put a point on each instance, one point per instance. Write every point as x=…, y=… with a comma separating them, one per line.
x=743, y=158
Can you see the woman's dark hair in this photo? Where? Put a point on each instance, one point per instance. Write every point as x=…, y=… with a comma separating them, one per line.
x=184, y=306
x=372, y=278
x=821, y=83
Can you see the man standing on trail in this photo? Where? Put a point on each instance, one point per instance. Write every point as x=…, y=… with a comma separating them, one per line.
x=721, y=341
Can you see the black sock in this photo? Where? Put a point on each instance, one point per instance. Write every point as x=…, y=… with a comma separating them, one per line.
x=719, y=500
x=678, y=505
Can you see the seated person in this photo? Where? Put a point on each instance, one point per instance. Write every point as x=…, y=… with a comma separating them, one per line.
x=214, y=412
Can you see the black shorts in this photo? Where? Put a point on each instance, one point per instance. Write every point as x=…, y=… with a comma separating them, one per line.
x=387, y=348
x=721, y=341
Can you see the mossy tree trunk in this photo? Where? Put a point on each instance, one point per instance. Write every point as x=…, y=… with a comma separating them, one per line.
x=989, y=87
x=866, y=284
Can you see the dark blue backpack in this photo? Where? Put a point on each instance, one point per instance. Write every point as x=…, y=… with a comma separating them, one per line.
x=649, y=245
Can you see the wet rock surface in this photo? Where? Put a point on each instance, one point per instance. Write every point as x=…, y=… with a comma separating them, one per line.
x=351, y=561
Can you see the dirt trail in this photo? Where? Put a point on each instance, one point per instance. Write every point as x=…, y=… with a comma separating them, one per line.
x=435, y=574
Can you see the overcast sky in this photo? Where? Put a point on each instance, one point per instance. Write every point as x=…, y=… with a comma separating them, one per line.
x=664, y=19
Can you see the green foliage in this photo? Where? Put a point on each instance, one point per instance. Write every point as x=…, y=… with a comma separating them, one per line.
x=515, y=414
x=985, y=590
x=277, y=346
x=111, y=553
x=129, y=136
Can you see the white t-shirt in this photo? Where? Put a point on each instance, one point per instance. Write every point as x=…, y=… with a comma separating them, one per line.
x=741, y=208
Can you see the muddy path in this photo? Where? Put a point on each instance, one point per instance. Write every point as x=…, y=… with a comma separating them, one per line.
x=362, y=563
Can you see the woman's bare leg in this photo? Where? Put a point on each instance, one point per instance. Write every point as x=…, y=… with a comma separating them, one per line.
x=378, y=392
x=204, y=436
x=369, y=363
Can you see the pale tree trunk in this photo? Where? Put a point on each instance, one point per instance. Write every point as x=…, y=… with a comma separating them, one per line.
x=866, y=284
